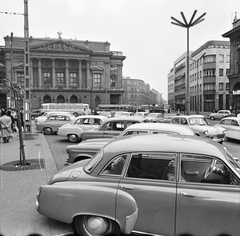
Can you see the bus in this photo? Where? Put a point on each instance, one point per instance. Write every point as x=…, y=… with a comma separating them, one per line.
x=151, y=109
x=74, y=108
x=115, y=107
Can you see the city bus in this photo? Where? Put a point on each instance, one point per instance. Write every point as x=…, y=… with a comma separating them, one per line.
x=74, y=108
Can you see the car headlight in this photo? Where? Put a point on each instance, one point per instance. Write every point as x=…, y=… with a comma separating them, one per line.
x=206, y=133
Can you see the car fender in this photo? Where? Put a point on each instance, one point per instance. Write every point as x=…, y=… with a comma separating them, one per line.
x=63, y=201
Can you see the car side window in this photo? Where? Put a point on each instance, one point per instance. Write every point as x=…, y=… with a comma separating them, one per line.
x=52, y=118
x=131, y=123
x=175, y=121
x=115, y=166
x=97, y=122
x=135, y=132
x=204, y=169
x=150, y=166
x=225, y=122
x=183, y=121
x=234, y=123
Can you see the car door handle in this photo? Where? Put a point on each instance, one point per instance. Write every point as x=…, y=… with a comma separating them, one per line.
x=187, y=172
x=126, y=187
x=186, y=195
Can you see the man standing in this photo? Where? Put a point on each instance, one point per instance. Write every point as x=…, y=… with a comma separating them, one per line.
x=5, y=122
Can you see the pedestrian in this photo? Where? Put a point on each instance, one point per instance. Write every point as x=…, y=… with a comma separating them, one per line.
x=5, y=122
x=9, y=113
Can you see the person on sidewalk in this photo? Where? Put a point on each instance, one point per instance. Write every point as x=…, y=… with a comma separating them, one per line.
x=5, y=122
x=9, y=113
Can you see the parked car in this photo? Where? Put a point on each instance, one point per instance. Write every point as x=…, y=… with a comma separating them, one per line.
x=219, y=115
x=185, y=186
x=73, y=130
x=155, y=117
x=46, y=114
x=54, y=122
x=87, y=149
x=36, y=113
x=201, y=126
x=232, y=126
x=111, y=127
x=141, y=114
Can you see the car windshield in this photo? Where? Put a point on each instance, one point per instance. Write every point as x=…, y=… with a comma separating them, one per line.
x=94, y=161
x=198, y=121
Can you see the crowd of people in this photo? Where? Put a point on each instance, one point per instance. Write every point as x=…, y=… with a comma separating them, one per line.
x=9, y=123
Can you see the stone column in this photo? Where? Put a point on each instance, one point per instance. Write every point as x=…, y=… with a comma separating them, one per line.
x=66, y=73
x=119, y=78
x=53, y=74
x=40, y=72
x=79, y=73
x=89, y=78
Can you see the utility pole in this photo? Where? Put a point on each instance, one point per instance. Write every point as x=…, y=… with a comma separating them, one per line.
x=27, y=78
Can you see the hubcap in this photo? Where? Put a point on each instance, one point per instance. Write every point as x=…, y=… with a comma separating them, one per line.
x=97, y=225
x=73, y=137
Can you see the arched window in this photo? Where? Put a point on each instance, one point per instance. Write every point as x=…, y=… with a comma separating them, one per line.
x=97, y=101
x=73, y=99
x=47, y=99
x=60, y=99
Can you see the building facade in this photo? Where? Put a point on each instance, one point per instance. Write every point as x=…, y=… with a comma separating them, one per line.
x=234, y=75
x=208, y=81
x=171, y=97
x=66, y=71
x=137, y=92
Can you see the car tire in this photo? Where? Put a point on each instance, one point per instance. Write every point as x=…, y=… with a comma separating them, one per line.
x=90, y=225
x=47, y=130
x=73, y=138
x=212, y=118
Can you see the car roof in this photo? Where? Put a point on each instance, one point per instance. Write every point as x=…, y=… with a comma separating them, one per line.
x=190, y=116
x=92, y=116
x=169, y=143
x=127, y=118
x=161, y=126
x=231, y=118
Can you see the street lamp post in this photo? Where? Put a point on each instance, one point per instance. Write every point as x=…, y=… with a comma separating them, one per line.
x=187, y=25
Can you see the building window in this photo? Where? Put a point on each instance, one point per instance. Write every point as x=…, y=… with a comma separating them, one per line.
x=220, y=86
x=209, y=87
x=60, y=79
x=209, y=73
x=47, y=79
x=228, y=59
x=20, y=79
x=221, y=58
x=97, y=80
x=220, y=72
x=209, y=58
x=227, y=86
x=73, y=80
x=227, y=71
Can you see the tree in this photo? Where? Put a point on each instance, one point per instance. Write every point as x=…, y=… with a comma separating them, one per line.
x=18, y=92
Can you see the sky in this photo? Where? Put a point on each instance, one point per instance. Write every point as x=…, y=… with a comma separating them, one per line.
x=140, y=29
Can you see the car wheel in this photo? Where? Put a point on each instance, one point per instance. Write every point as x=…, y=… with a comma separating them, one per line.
x=94, y=226
x=47, y=130
x=73, y=138
x=212, y=118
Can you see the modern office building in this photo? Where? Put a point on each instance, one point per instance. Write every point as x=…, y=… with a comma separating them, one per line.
x=234, y=75
x=208, y=81
x=65, y=70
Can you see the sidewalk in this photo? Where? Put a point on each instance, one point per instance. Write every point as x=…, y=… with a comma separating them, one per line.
x=18, y=216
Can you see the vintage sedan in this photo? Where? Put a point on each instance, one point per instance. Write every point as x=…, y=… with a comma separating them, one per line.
x=232, y=126
x=155, y=117
x=87, y=149
x=219, y=115
x=73, y=130
x=201, y=126
x=54, y=122
x=111, y=127
x=185, y=186
x=46, y=114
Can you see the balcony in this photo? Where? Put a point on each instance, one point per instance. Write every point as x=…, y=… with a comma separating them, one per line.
x=209, y=79
x=209, y=65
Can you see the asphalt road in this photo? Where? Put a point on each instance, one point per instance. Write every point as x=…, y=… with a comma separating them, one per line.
x=58, y=147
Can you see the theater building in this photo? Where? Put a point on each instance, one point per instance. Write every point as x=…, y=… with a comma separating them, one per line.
x=66, y=70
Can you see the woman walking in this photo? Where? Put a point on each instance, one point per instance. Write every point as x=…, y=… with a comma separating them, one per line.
x=5, y=122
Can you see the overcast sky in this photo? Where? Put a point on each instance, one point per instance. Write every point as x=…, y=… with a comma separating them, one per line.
x=141, y=29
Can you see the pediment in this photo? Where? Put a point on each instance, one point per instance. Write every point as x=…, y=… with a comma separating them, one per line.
x=96, y=68
x=60, y=46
